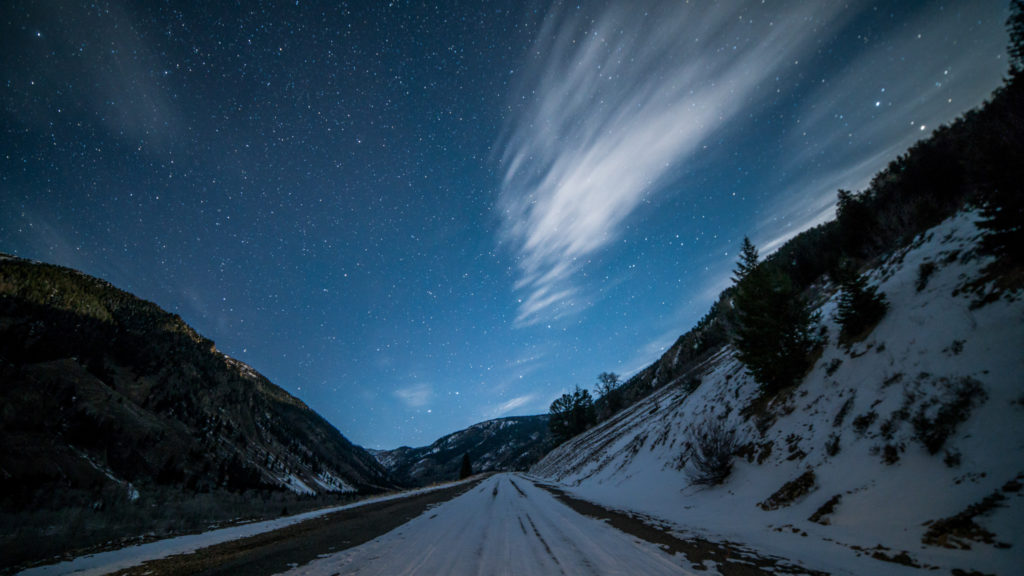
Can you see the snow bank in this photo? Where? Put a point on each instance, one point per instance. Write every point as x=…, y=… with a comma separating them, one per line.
x=862, y=423
x=114, y=560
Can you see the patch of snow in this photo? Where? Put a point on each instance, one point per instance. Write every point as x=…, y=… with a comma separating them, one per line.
x=930, y=342
x=115, y=560
x=296, y=485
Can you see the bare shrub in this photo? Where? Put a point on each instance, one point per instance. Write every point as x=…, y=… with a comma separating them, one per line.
x=938, y=419
x=843, y=411
x=863, y=422
x=832, y=446
x=709, y=451
x=924, y=273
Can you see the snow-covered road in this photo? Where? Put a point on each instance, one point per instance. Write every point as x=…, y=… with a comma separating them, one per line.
x=506, y=525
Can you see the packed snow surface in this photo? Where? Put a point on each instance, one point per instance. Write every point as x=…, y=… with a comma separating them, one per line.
x=883, y=456
x=114, y=560
x=506, y=525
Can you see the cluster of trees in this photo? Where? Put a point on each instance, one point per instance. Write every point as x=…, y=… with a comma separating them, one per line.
x=767, y=315
x=977, y=160
x=861, y=306
x=774, y=335
x=774, y=322
x=571, y=414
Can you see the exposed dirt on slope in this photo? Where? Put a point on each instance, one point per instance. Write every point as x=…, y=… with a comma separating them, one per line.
x=729, y=559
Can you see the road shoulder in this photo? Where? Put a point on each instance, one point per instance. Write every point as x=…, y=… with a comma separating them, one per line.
x=278, y=550
x=728, y=558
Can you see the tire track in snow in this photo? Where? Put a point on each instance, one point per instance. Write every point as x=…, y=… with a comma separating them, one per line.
x=518, y=489
x=545, y=543
x=497, y=531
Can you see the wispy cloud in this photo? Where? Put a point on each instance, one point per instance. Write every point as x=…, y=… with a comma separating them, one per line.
x=510, y=405
x=415, y=396
x=876, y=107
x=116, y=72
x=608, y=109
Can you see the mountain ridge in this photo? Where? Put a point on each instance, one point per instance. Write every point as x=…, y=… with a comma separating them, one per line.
x=501, y=444
x=109, y=403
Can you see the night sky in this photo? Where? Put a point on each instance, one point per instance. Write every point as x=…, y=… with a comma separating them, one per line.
x=416, y=216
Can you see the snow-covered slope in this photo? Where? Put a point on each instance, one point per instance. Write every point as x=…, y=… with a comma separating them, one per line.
x=512, y=443
x=907, y=448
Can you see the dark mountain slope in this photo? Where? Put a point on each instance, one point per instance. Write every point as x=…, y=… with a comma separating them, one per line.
x=977, y=160
x=107, y=401
x=503, y=444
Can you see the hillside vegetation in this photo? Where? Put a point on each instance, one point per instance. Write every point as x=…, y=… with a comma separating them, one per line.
x=977, y=161
x=854, y=400
x=904, y=448
x=117, y=419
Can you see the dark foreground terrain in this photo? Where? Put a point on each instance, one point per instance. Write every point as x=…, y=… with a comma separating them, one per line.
x=313, y=540
x=277, y=551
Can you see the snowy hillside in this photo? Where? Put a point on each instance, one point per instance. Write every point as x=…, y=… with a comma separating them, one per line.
x=512, y=443
x=905, y=449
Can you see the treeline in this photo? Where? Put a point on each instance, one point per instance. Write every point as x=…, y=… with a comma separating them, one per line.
x=978, y=160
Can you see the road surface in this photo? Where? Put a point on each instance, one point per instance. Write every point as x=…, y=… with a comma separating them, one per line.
x=505, y=525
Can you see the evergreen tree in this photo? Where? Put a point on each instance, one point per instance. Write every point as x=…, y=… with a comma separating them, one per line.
x=1015, y=26
x=1002, y=194
x=747, y=261
x=860, y=305
x=583, y=414
x=571, y=414
x=773, y=336
x=1003, y=217
x=560, y=419
x=466, y=470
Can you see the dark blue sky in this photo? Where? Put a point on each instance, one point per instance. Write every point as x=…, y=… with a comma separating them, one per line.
x=418, y=216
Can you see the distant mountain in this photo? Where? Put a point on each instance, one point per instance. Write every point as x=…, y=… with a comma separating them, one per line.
x=108, y=403
x=513, y=443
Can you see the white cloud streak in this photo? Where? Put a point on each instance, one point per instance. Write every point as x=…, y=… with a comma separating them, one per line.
x=517, y=402
x=610, y=108
x=415, y=396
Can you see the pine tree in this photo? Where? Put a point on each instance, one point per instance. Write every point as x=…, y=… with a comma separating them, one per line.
x=860, y=306
x=466, y=470
x=560, y=419
x=583, y=414
x=1015, y=27
x=1002, y=198
x=774, y=334
x=747, y=261
x=571, y=414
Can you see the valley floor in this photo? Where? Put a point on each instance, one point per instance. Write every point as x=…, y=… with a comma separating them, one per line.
x=503, y=524
x=510, y=525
